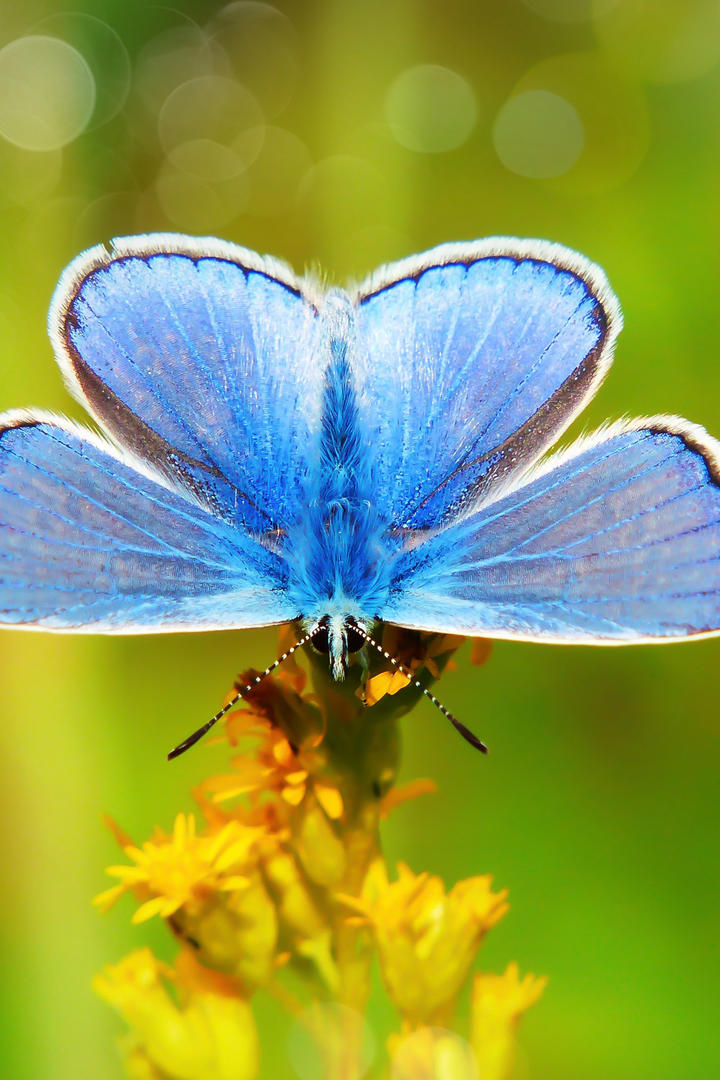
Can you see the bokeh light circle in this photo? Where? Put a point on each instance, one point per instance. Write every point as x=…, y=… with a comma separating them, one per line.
x=538, y=134
x=334, y=1024
x=47, y=92
x=197, y=205
x=430, y=109
x=104, y=52
x=612, y=111
x=217, y=110
x=207, y=159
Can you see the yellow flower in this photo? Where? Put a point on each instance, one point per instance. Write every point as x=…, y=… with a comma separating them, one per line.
x=211, y=890
x=279, y=700
x=426, y=937
x=385, y=682
x=236, y=933
x=138, y=1065
x=276, y=764
x=183, y=868
x=209, y=1033
x=498, y=1002
x=415, y=651
x=258, y=898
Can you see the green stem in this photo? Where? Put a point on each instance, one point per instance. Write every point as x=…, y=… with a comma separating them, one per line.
x=362, y=747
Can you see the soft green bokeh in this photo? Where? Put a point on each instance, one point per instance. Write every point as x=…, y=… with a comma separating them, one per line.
x=598, y=806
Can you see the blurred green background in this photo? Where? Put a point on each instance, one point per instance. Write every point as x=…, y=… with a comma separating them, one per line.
x=345, y=134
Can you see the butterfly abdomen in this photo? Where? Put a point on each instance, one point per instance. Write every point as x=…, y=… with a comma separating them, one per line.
x=341, y=465
x=334, y=551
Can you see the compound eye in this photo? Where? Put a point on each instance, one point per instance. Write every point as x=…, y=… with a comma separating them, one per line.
x=353, y=639
x=321, y=640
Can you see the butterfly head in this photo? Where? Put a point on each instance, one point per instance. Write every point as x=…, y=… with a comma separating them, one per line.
x=337, y=637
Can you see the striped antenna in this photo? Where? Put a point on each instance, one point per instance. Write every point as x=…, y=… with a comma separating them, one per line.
x=465, y=732
x=197, y=735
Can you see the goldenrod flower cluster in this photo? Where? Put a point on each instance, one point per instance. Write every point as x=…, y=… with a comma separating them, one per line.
x=283, y=889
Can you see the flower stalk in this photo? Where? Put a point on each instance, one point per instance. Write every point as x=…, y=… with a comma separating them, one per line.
x=284, y=890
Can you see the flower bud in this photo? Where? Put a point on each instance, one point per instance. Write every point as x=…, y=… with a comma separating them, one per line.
x=317, y=844
x=498, y=1002
x=210, y=1033
x=427, y=938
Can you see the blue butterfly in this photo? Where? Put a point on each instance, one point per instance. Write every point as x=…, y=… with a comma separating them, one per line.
x=272, y=452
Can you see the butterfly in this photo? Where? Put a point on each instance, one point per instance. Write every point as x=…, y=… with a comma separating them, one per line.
x=272, y=452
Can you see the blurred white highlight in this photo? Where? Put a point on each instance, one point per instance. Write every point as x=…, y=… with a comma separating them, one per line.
x=47, y=93
x=430, y=109
x=216, y=116
x=538, y=134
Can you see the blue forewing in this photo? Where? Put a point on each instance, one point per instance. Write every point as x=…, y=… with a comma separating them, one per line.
x=471, y=361
x=202, y=359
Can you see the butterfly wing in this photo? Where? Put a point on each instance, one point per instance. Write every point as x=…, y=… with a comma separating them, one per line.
x=615, y=540
x=200, y=358
x=470, y=361
x=87, y=543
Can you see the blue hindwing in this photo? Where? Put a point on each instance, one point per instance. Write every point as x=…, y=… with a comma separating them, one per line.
x=616, y=541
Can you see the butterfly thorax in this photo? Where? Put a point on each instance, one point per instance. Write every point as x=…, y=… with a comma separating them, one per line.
x=338, y=559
